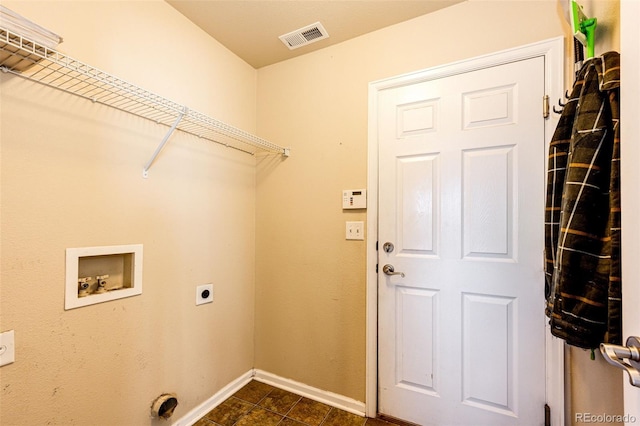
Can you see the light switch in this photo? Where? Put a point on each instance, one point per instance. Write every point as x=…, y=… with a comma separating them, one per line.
x=7, y=348
x=355, y=230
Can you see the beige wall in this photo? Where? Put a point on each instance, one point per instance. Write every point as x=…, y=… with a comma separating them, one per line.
x=310, y=281
x=71, y=175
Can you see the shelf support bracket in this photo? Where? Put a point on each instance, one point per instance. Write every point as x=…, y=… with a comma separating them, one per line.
x=145, y=171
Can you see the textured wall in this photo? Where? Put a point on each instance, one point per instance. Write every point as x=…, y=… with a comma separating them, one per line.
x=71, y=175
x=310, y=282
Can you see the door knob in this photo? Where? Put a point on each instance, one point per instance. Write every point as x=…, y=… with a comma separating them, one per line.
x=624, y=357
x=389, y=270
x=388, y=247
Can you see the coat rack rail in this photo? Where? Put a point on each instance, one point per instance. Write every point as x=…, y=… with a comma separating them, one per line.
x=38, y=63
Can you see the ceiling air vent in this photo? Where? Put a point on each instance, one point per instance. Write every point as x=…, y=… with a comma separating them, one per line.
x=303, y=36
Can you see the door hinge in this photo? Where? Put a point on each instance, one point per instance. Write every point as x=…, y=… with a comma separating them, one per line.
x=545, y=106
x=376, y=268
x=376, y=246
x=547, y=415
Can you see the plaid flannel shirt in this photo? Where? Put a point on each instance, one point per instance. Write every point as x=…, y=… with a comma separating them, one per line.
x=582, y=217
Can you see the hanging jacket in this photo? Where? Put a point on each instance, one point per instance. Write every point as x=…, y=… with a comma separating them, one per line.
x=582, y=215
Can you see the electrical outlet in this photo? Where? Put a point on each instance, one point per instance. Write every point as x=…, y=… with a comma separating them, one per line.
x=7, y=348
x=355, y=230
x=204, y=294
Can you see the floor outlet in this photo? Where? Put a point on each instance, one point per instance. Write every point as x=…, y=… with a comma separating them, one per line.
x=7, y=348
x=204, y=294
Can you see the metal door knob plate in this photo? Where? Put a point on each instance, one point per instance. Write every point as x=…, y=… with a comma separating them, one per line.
x=390, y=270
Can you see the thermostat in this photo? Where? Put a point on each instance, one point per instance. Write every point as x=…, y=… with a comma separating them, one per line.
x=354, y=199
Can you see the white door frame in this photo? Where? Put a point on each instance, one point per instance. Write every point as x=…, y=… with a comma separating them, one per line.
x=553, y=52
x=629, y=176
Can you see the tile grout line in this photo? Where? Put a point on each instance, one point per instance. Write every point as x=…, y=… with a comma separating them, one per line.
x=244, y=414
x=271, y=411
x=326, y=416
x=291, y=409
x=284, y=416
x=253, y=404
x=248, y=402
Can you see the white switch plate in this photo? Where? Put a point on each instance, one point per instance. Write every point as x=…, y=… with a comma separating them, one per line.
x=204, y=294
x=7, y=348
x=355, y=230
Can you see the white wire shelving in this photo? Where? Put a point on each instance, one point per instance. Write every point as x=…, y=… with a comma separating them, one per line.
x=38, y=63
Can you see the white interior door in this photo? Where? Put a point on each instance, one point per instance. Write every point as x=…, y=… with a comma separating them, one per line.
x=461, y=186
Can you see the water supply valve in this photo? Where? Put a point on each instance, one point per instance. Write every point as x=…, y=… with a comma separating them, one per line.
x=83, y=286
x=102, y=284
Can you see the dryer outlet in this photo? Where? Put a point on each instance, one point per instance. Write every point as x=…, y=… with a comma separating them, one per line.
x=204, y=294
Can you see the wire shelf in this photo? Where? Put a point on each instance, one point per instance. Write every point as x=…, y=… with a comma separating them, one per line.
x=38, y=63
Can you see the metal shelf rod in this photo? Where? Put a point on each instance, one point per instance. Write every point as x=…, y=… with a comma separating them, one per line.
x=145, y=171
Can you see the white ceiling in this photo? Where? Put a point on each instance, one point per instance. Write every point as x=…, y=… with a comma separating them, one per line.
x=250, y=28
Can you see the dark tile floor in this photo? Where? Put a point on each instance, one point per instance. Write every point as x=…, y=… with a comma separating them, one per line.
x=259, y=404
